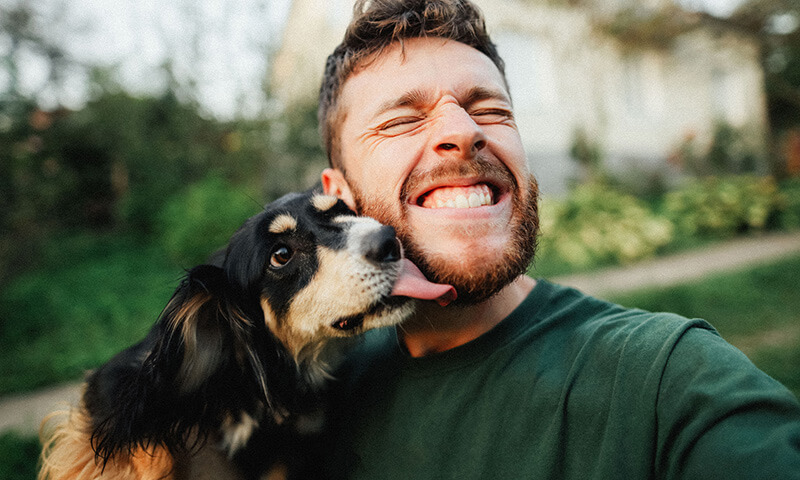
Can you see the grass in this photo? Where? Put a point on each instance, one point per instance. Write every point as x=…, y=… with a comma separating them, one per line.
x=90, y=298
x=18, y=457
x=757, y=310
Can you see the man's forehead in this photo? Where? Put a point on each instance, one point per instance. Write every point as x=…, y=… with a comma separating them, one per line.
x=420, y=68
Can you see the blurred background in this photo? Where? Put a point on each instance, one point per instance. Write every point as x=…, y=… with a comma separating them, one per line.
x=136, y=136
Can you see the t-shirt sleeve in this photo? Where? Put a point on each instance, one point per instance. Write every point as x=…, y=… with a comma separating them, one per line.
x=721, y=417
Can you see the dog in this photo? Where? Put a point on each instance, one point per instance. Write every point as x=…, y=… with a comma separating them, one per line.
x=229, y=382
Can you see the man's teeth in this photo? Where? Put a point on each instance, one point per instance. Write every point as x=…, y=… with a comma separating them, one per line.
x=459, y=197
x=462, y=201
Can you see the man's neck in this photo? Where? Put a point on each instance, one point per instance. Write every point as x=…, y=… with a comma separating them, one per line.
x=435, y=329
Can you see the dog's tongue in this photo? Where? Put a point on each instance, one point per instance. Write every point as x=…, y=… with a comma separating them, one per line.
x=412, y=283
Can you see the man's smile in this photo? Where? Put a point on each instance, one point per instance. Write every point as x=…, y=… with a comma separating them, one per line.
x=472, y=196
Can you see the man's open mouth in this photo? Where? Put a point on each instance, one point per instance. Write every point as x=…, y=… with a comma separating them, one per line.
x=472, y=196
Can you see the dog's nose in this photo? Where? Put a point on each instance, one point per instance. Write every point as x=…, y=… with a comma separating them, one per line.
x=382, y=246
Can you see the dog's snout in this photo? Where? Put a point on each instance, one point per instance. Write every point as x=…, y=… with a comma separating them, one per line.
x=382, y=246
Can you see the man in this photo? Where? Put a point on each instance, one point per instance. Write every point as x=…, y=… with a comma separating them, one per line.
x=516, y=378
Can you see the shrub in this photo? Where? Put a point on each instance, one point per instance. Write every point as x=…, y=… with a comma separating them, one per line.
x=596, y=225
x=200, y=220
x=720, y=207
x=790, y=216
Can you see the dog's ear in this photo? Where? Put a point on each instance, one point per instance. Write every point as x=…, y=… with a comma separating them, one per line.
x=173, y=393
x=195, y=334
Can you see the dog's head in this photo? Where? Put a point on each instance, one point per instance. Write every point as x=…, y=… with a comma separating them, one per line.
x=317, y=270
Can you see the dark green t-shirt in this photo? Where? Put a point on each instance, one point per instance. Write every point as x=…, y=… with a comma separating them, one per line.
x=567, y=386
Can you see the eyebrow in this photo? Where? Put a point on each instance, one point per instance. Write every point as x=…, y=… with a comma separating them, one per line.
x=418, y=97
x=412, y=98
x=476, y=94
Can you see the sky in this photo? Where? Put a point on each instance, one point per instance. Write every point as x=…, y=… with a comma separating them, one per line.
x=715, y=7
x=221, y=44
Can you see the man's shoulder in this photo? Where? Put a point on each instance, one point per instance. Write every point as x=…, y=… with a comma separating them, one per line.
x=566, y=309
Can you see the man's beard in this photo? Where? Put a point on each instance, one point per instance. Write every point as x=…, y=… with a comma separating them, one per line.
x=472, y=287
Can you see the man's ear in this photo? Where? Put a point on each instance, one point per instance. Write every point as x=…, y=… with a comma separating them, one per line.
x=334, y=183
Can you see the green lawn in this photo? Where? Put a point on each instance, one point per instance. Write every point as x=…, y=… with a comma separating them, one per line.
x=757, y=309
x=18, y=457
x=90, y=298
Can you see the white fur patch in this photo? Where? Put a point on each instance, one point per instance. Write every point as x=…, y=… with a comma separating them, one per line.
x=235, y=434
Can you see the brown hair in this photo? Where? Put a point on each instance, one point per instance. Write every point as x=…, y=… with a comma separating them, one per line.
x=377, y=24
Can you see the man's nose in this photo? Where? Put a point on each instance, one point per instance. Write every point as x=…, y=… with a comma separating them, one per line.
x=458, y=133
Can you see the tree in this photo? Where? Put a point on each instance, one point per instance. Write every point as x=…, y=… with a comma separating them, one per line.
x=775, y=23
x=29, y=32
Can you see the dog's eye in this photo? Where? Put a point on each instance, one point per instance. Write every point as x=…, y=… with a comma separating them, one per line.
x=280, y=256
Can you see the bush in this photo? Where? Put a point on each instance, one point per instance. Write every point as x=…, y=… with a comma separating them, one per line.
x=200, y=220
x=790, y=216
x=721, y=207
x=596, y=225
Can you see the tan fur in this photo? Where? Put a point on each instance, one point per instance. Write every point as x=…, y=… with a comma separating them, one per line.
x=323, y=203
x=67, y=453
x=270, y=319
x=196, y=361
x=320, y=303
x=283, y=223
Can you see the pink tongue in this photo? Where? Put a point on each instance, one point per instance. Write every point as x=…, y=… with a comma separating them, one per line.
x=411, y=283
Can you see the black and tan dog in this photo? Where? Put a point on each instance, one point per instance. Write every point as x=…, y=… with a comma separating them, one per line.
x=227, y=383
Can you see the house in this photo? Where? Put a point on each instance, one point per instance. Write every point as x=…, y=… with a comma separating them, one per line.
x=637, y=80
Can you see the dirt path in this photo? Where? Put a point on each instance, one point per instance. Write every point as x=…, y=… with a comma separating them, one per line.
x=685, y=267
x=23, y=413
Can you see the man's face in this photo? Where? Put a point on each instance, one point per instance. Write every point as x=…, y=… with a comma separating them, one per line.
x=429, y=145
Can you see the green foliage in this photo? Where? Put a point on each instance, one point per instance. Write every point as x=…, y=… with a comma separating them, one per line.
x=586, y=152
x=18, y=456
x=299, y=157
x=721, y=207
x=596, y=225
x=790, y=216
x=732, y=151
x=202, y=218
x=642, y=27
x=157, y=146
x=90, y=298
x=780, y=51
x=114, y=164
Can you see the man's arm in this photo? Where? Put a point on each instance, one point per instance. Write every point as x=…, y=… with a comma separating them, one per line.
x=721, y=417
